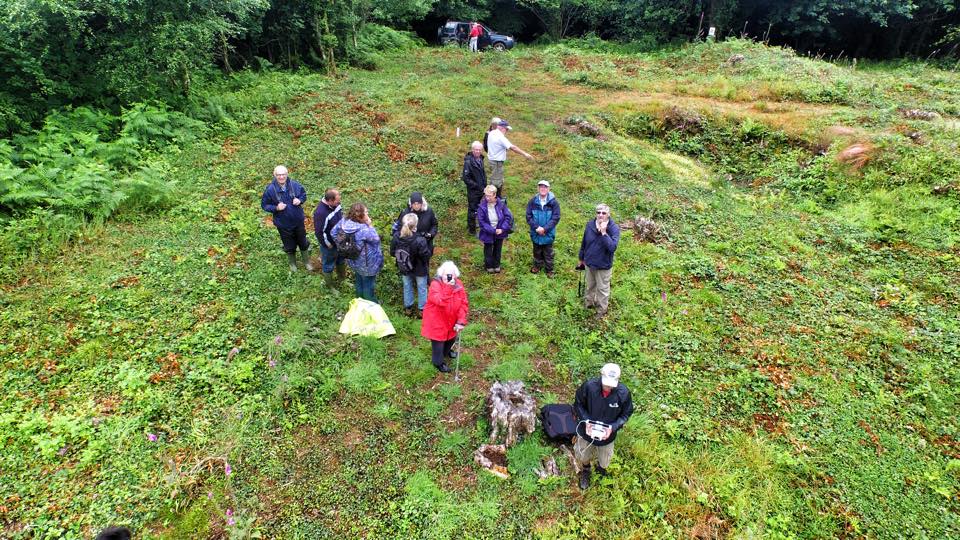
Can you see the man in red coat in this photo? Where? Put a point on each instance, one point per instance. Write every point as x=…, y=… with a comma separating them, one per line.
x=445, y=314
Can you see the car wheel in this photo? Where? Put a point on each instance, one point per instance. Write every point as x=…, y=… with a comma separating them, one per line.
x=499, y=46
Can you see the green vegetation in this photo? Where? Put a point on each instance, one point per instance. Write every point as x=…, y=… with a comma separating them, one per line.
x=792, y=344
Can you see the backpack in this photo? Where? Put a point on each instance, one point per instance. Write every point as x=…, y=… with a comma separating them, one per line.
x=404, y=261
x=559, y=422
x=347, y=246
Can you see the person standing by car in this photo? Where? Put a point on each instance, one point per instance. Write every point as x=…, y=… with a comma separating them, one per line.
x=543, y=214
x=603, y=406
x=284, y=199
x=357, y=228
x=475, y=31
x=427, y=224
x=326, y=216
x=600, y=239
x=413, y=262
x=445, y=314
x=498, y=144
x=496, y=224
x=475, y=178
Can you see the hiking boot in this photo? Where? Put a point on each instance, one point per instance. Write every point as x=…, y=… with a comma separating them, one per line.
x=328, y=281
x=408, y=311
x=419, y=313
x=491, y=270
x=585, y=478
x=496, y=270
x=305, y=255
x=602, y=472
x=601, y=313
x=534, y=269
x=292, y=259
x=341, y=271
x=550, y=273
x=444, y=368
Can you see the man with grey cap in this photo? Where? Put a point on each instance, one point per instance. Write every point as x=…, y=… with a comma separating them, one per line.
x=497, y=147
x=603, y=405
x=543, y=214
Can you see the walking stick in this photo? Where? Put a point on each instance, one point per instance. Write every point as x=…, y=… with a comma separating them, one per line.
x=456, y=372
x=580, y=283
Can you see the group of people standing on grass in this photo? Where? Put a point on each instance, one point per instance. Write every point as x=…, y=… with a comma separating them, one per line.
x=347, y=237
x=350, y=239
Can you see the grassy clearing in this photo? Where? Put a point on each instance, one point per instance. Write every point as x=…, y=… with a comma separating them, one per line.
x=792, y=347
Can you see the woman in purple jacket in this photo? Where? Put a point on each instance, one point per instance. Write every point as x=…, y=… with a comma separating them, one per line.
x=496, y=224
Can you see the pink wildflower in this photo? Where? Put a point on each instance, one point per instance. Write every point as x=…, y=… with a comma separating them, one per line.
x=227, y=469
x=277, y=340
x=151, y=437
x=230, y=521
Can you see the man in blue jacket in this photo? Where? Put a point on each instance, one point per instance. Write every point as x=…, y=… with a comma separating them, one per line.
x=603, y=406
x=543, y=214
x=600, y=239
x=284, y=199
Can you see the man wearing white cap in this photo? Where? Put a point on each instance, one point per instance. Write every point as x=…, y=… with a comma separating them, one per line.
x=497, y=147
x=603, y=406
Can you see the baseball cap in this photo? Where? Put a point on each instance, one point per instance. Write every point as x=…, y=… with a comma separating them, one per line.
x=610, y=375
x=543, y=183
x=416, y=197
x=504, y=123
x=495, y=120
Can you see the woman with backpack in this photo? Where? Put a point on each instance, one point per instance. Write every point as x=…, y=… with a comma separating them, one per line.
x=359, y=243
x=496, y=223
x=445, y=314
x=412, y=254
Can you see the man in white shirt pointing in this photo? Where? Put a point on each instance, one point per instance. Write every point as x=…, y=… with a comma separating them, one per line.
x=498, y=144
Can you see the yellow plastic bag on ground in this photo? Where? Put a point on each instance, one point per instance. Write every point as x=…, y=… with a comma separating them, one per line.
x=366, y=318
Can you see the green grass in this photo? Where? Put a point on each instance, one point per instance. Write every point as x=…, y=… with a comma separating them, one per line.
x=792, y=346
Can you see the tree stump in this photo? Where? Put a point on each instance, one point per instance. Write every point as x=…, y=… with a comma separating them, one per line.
x=512, y=410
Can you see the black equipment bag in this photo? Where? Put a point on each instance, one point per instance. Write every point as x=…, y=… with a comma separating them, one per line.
x=559, y=422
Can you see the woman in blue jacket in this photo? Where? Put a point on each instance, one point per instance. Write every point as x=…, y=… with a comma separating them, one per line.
x=369, y=262
x=496, y=224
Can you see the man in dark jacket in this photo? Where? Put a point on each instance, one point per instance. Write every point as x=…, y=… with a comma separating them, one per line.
x=543, y=214
x=426, y=219
x=325, y=217
x=600, y=239
x=284, y=199
x=603, y=406
x=475, y=178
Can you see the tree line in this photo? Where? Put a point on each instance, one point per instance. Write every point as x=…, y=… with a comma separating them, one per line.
x=106, y=53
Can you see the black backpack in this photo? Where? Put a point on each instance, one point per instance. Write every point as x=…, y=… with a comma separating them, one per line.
x=559, y=422
x=404, y=261
x=347, y=246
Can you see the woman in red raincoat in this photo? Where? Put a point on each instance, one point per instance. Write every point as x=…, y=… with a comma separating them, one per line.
x=445, y=314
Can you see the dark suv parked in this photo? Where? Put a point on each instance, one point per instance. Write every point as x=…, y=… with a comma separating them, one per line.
x=458, y=33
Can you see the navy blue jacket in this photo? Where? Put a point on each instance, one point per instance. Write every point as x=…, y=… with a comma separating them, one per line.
x=596, y=250
x=613, y=410
x=290, y=217
x=543, y=215
x=324, y=219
